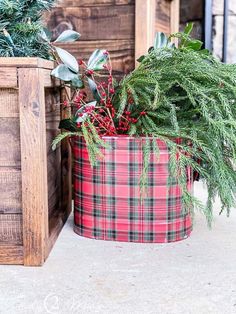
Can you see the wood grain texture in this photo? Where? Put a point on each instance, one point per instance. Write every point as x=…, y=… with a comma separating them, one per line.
x=174, y=16
x=9, y=106
x=122, y=52
x=10, y=191
x=11, y=254
x=33, y=164
x=94, y=23
x=163, y=18
x=8, y=77
x=49, y=81
x=89, y=3
x=52, y=102
x=24, y=62
x=10, y=142
x=145, y=16
x=11, y=229
x=66, y=164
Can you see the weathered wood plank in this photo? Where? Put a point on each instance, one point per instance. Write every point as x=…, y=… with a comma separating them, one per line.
x=89, y=3
x=145, y=12
x=52, y=101
x=53, y=113
x=54, y=181
x=174, y=16
x=94, y=23
x=121, y=51
x=163, y=18
x=11, y=229
x=10, y=191
x=50, y=81
x=34, y=165
x=8, y=102
x=66, y=164
x=11, y=254
x=8, y=77
x=24, y=62
x=10, y=142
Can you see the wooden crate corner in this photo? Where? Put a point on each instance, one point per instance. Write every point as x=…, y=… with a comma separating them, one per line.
x=35, y=182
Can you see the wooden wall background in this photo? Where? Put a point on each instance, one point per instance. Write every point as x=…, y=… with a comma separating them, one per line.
x=110, y=24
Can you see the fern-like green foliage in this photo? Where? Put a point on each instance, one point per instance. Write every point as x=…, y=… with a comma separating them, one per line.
x=190, y=95
x=21, y=28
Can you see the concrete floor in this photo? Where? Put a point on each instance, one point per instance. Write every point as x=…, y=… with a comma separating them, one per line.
x=196, y=276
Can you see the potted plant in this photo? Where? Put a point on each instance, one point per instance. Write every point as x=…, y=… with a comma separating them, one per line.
x=32, y=211
x=138, y=144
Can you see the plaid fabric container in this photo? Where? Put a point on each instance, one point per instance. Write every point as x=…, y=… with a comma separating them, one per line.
x=107, y=197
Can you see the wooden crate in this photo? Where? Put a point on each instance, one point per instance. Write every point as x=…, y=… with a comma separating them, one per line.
x=126, y=28
x=35, y=185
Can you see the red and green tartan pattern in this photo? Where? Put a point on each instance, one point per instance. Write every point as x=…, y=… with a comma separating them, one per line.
x=107, y=197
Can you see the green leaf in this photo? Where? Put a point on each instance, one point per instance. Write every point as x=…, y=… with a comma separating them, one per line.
x=68, y=36
x=97, y=60
x=141, y=58
x=150, y=49
x=63, y=73
x=194, y=45
x=94, y=89
x=44, y=35
x=77, y=82
x=205, y=52
x=68, y=59
x=188, y=28
x=160, y=40
x=68, y=124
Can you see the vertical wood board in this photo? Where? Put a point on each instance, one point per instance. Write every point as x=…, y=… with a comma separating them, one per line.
x=34, y=162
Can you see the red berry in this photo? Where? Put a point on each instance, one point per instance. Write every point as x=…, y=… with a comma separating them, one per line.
x=65, y=103
x=104, y=94
x=142, y=113
x=112, y=91
x=90, y=72
x=80, y=61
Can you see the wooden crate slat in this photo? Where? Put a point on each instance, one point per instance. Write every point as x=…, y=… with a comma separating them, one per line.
x=34, y=162
x=174, y=16
x=10, y=142
x=105, y=22
x=121, y=51
x=48, y=80
x=32, y=186
x=11, y=229
x=145, y=17
x=11, y=254
x=10, y=191
x=54, y=180
x=22, y=62
x=9, y=107
x=8, y=77
x=163, y=16
x=89, y=3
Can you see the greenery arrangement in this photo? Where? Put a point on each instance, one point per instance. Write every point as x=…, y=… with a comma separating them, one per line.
x=21, y=28
x=182, y=93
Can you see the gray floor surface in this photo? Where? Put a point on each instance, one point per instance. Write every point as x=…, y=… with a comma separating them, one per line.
x=85, y=276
